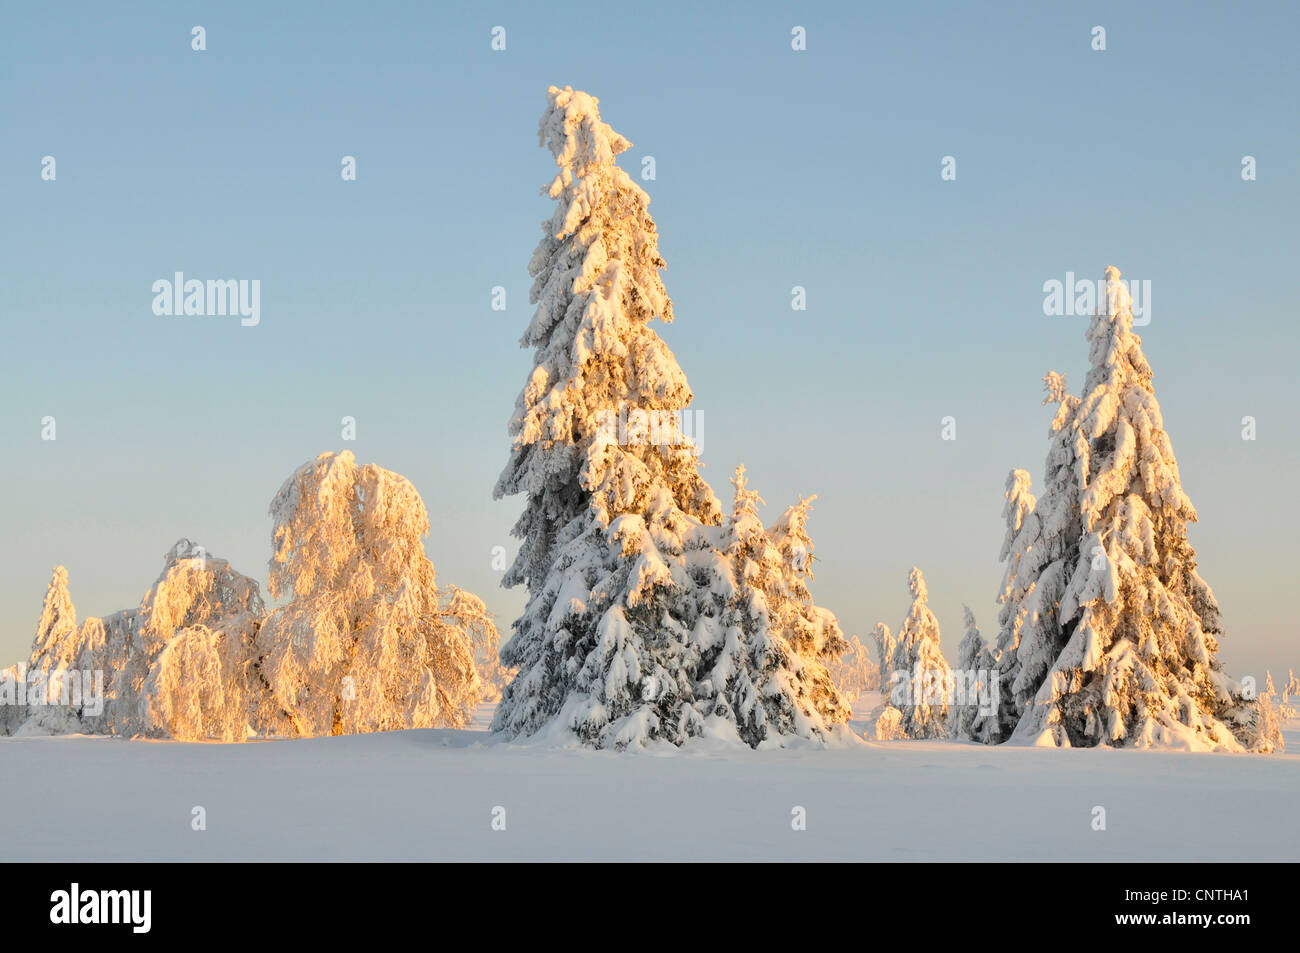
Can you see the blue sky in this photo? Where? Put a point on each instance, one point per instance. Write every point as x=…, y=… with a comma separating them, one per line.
x=775, y=168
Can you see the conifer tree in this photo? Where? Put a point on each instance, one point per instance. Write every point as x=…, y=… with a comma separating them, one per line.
x=1045, y=568
x=650, y=617
x=922, y=677
x=57, y=656
x=972, y=715
x=1022, y=537
x=1140, y=665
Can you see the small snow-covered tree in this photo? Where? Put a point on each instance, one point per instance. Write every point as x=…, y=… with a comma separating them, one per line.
x=467, y=611
x=1021, y=538
x=889, y=725
x=885, y=643
x=215, y=610
x=197, y=689
x=855, y=672
x=889, y=722
x=812, y=631
x=123, y=679
x=1050, y=554
x=55, y=645
x=1260, y=727
x=769, y=676
x=920, y=677
x=367, y=642
x=13, y=700
x=1140, y=665
x=56, y=651
x=973, y=715
x=64, y=671
x=1287, y=707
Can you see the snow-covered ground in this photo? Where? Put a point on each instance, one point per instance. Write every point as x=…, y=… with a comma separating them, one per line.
x=431, y=795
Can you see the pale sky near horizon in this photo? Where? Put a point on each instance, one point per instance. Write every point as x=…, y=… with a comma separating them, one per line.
x=774, y=168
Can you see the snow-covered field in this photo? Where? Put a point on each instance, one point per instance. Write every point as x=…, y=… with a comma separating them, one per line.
x=431, y=795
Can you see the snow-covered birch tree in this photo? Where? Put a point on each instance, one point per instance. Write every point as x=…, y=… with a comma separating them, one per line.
x=214, y=611
x=367, y=642
x=197, y=688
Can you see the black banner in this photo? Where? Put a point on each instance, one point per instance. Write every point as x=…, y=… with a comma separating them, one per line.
x=364, y=901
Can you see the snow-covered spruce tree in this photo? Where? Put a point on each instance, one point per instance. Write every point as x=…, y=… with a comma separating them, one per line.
x=66, y=682
x=766, y=668
x=1286, y=706
x=1049, y=555
x=889, y=722
x=969, y=717
x=55, y=645
x=884, y=642
x=920, y=677
x=597, y=647
x=368, y=642
x=597, y=287
x=56, y=652
x=13, y=700
x=637, y=627
x=1140, y=666
x=812, y=631
x=1022, y=537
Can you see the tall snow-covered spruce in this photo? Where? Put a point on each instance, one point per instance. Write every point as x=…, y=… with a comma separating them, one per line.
x=651, y=616
x=1139, y=666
